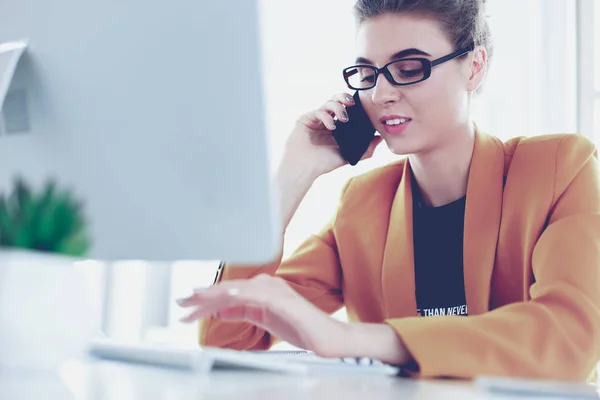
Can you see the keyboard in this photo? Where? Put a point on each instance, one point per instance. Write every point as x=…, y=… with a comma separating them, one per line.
x=206, y=359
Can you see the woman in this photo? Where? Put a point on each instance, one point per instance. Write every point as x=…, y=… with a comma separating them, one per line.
x=508, y=233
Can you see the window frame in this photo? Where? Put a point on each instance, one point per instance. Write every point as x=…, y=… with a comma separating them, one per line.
x=587, y=93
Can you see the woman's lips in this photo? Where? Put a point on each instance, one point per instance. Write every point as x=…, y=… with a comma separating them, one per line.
x=395, y=124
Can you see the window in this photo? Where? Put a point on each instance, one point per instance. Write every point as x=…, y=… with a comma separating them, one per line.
x=588, y=39
x=597, y=73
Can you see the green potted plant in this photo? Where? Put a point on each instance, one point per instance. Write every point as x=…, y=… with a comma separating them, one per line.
x=51, y=221
x=46, y=312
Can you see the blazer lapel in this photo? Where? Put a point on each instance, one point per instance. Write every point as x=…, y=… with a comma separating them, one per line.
x=482, y=224
x=482, y=220
x=398, y=275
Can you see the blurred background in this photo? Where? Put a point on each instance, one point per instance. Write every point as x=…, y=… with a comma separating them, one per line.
x=545, y=78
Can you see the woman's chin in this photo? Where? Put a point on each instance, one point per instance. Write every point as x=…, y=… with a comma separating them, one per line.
x=402, y=146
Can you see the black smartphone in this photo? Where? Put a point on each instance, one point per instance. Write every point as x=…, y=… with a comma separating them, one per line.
x=353, y=137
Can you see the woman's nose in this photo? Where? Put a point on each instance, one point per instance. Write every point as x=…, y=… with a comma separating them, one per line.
x=384, y=91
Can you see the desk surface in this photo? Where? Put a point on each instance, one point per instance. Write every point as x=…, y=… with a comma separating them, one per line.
x=105, y=380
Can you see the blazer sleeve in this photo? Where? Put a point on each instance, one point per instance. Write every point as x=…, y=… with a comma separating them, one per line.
x=313, y=270
x=554, y=335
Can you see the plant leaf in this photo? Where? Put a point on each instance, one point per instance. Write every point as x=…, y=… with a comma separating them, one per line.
x=8, y=224
x=5, y=223
x=23, y=239
x=46, y=224
x=24, y=235
x=75, y=245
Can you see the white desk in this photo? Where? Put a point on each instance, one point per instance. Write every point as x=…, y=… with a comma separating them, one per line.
x=105, y=380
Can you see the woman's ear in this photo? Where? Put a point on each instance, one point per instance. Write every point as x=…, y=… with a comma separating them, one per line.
x=478, y=68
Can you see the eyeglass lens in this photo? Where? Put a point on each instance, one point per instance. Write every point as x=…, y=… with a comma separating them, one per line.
x=402, y=72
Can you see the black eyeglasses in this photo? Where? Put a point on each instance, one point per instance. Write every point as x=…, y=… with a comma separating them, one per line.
x=402, y=72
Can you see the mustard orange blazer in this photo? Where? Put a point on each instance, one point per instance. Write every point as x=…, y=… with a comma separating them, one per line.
x=531, y=264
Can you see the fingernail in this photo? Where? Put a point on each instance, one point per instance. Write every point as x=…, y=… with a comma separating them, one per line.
x=344, y=116
x=180, y=301
x=233, y=291
x=350, y=98
x=332, y=125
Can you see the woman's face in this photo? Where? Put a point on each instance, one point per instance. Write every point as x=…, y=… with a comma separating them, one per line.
x=436, y=109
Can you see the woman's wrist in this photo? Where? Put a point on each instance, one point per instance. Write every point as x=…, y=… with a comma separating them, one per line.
x=376, y=341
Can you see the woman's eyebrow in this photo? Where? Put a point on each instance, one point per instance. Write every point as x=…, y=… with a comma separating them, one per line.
x=398, y=55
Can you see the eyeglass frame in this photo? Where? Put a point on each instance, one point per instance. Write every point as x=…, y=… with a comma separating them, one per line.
x=426, y=63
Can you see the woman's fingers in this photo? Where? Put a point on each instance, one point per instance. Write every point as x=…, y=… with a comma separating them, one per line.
x=253, y=313
x=196, y=315
x=337, y=109
x=211, y=306
x=318, y=120
x=323, y=118
x=248, y=296
x=210, y=302
x=266, y=302
x=344, y=98
x=247, y=312
x=222, y=290
x=337, y=106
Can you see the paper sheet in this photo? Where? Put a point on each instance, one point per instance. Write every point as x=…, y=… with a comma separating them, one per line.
x=10, y=53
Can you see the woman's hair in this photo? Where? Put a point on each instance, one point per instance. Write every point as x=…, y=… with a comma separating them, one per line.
x=464, y=21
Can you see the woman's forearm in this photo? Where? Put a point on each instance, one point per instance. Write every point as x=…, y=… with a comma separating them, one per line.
x=292, y=183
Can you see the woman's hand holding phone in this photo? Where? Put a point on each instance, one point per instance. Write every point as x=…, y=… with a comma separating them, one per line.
x=311, y=151
x=311, y=145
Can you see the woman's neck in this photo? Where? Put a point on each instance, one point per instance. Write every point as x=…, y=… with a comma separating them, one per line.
x=442, y=173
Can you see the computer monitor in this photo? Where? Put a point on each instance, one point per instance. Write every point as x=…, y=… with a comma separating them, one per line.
x=153, y=113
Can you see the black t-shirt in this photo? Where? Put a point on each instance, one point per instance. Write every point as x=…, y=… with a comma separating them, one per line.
x=438, y=252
